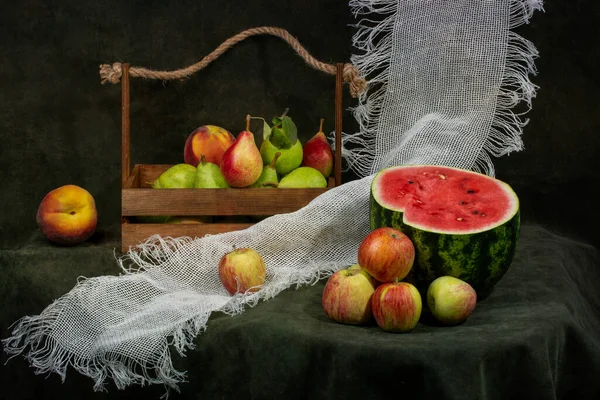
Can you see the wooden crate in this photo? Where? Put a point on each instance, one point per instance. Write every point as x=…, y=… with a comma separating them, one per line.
x=138, y=199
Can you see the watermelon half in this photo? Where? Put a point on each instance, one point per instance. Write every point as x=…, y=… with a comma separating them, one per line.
x=462, y=223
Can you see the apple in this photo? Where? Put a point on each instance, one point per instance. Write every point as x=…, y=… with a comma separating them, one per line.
x=451, y=300
x=347, y=296
x=242, y=270
x=397, y=306
x=67, y=215
x=210, y=140
x=387, y=254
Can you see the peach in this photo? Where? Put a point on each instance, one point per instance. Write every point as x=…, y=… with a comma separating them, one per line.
x=210, y=140
x=67, y=215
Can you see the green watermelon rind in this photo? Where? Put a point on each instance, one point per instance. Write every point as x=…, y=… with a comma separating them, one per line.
x=480, y=258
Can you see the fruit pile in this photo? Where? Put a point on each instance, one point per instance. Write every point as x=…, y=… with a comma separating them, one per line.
x=438, y=232
x=214, y=158
x=375, y=288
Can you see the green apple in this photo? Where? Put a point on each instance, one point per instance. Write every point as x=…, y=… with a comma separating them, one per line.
x=451, y=300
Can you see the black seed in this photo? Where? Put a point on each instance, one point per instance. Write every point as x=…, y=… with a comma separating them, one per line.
x=411, y=182
x=462, y=203
x=470, y=191
x=475, y=212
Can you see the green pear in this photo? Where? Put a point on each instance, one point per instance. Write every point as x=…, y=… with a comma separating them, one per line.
x=303, y=177
x=178, y=176
x=268, y=177
x=289, y=159
x=182, y=220
x=209, y=175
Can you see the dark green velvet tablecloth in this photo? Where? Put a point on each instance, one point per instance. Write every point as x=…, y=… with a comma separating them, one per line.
x=536, y=336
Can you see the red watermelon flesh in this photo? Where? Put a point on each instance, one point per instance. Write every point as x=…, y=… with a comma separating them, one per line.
x=444, y=199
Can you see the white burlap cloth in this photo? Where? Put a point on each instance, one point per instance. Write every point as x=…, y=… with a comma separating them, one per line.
x=443, y=79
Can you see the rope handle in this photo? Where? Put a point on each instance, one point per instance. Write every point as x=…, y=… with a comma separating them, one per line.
x=111, y=73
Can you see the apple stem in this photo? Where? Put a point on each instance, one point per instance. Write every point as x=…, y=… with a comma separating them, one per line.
x=248, y=118
x=321, y=125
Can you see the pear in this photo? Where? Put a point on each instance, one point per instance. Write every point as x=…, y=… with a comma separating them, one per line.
x=178, y=176
x=268, y=177
x=283, y=138
x=303, y=177
x=209, y=175
x=289, y=159
x=188, y=220
x=242, y=163
x=318, y=154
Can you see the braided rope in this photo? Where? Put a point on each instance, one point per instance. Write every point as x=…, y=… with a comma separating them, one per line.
x=111, y=73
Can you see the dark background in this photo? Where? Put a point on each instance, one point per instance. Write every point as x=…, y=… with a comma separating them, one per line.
x=59, y=125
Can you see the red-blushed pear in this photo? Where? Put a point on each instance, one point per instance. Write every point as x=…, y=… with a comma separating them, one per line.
x=67, y=215
x=242, y=163
x=210, y=140
x=317, y=153
x=387, y=254
x=450, y=300
x=397, y=306
x=347, y=296
x=242, y=270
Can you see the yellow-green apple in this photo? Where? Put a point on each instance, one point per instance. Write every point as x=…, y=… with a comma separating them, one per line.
x=242, y=163
x=242, y=270
x=318, y=154
x=67, y=215
x=451, y=300
x=347, y=296
x=387, y=254
x=210, y=140
x=397, y=306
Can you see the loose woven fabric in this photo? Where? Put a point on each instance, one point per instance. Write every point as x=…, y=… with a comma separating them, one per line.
x=443, y=79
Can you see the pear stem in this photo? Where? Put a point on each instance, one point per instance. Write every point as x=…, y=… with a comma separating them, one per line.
x=202, y=159
x=274, y=160
x=285, y=112
x=321, y=125
x=248, y=118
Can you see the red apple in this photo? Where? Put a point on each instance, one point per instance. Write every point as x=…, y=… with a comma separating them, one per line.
x=242, y=270
x=347, y=296
x=451, y=300
x=210, y=140
x=387, y=254
x=397, y=306
x=67, y=215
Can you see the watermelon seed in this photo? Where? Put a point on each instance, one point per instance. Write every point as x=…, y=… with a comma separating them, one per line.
x=475, y=212
x=442, y=176
x=483, y=214
x=462, y=203
x=459, y=219
x=470, y=191
x=411, y=182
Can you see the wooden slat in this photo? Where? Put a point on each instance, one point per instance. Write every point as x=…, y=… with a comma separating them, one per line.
x=247, y=201
x=133, y=234
x=134, y=178
x=337, y=167
x=125, y=125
